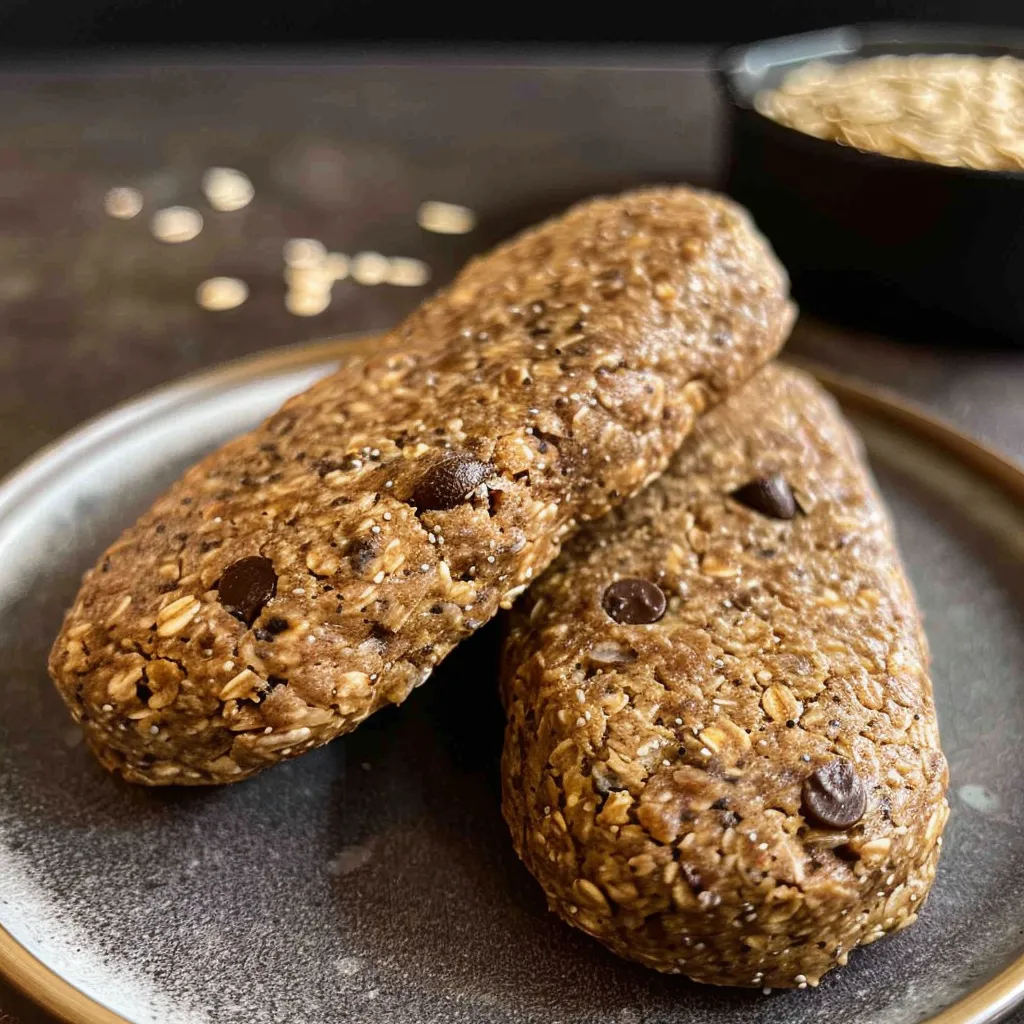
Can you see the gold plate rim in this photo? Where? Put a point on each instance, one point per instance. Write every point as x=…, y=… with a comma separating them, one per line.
x=985, y=1005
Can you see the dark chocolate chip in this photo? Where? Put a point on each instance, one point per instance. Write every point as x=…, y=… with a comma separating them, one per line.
x=834, y=796
x=769, y=495
x=246, y=586
x=720, y=804
x=634, y=602
x=275, y=624
x=450, y=481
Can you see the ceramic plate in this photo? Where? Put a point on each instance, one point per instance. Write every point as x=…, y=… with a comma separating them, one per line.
x=373, y=880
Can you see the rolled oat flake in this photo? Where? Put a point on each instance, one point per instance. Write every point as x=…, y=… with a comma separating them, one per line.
x=450, y=482
x=834, y=796
x=246, y=586
x=769, y=495
x=634, y=602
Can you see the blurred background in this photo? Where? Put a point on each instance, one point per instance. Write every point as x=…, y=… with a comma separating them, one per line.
x=56, y=24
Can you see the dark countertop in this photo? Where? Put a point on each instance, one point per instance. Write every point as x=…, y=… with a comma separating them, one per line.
x=93, y=310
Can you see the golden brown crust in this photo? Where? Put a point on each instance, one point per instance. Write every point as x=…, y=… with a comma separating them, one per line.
x=563, y=369
x=654, y=774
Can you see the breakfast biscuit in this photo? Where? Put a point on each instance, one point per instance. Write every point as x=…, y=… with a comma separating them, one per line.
x=318, y=568
x=722, y=757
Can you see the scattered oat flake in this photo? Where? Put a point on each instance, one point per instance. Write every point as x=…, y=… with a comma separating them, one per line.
x=123, y=202
x=349, y=859
x=445, y=218
x=307, y=303
x=308, y=279
x=176, y=224
x=305, y=253
x=337, y=265
x=408, y=272
x=221, y=293
x=227, y=189
x=349, y=965
x=370, y=268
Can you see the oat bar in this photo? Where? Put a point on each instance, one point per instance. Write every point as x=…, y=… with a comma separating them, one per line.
x=722, y=758
x=318, y=568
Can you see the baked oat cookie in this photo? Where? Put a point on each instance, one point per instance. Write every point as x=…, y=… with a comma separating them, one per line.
x=722, y=757
x=318, y=568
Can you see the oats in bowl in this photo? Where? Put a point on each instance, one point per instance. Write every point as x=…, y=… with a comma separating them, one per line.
x=958, y=110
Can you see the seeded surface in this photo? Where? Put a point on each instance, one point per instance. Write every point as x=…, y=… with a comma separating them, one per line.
x=749, y=786
x=317, y=569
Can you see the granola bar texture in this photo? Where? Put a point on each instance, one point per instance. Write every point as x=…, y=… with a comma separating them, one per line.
x=318, y=568
x=722, y=757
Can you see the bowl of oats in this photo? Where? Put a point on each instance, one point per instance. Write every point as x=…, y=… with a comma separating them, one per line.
x=886, y=165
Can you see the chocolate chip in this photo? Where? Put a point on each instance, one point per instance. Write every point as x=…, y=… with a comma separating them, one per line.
x=834, y=796
x=246, y=586
x=450, y=481
x=634, y=602
x=769, y=495
x=276, y=624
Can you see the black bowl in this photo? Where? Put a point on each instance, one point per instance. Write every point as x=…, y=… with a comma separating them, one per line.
x=875, y=241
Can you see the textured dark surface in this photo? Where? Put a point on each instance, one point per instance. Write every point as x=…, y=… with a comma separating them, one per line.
x=93, y=311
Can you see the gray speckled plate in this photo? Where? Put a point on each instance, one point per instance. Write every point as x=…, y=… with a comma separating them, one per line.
x=373, y=880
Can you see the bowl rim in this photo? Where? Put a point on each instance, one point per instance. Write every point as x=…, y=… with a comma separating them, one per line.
x=849, y=41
